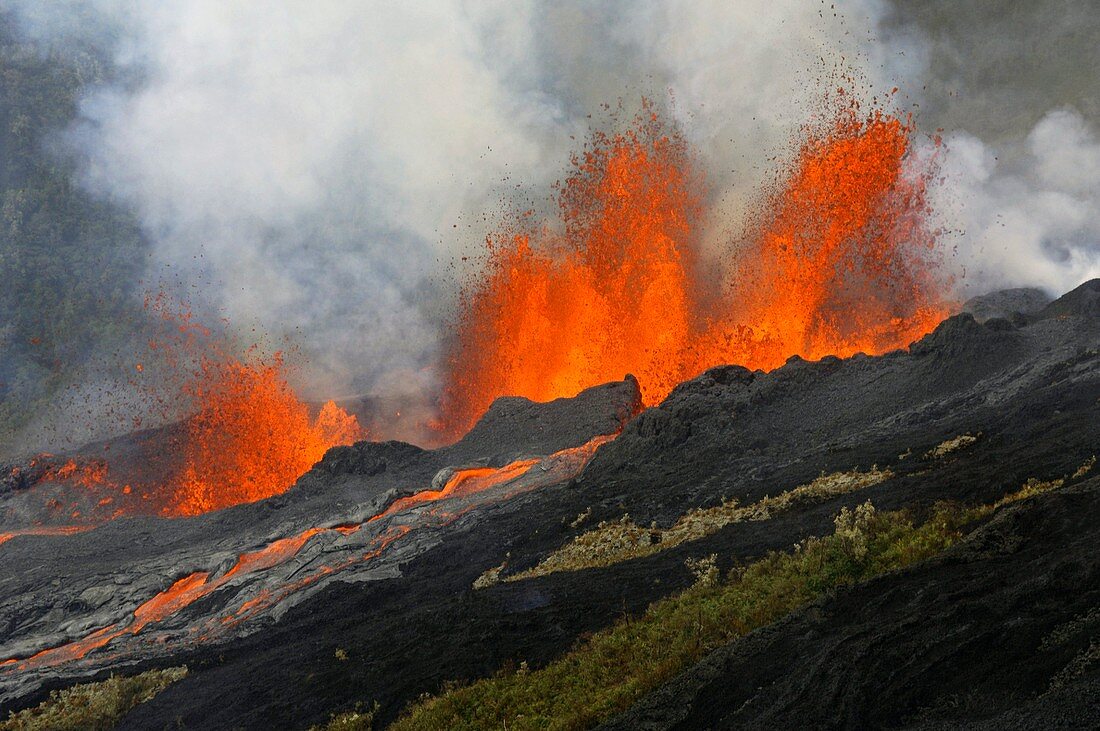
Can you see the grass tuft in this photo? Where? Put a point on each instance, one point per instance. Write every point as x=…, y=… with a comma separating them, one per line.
x=1085, y=467
x=943, y=449
x=93, y=706
x=357, y=720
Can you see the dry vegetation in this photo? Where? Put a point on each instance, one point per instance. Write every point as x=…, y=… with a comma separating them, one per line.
x=620, y=540
x=1085, y=468
x=1030, y=488
x=93, y=706
x=358, y=720
x=943, y=449
x=607, y=672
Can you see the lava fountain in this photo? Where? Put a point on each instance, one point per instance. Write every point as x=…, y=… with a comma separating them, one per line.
x=840, y=261
x=250, y=436
x=247, y=435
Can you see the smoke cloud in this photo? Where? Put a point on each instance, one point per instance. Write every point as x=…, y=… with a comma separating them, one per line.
x=1032, y=221
x=315, y=169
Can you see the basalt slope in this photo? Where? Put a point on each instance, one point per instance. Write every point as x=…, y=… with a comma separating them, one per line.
x=996, y=631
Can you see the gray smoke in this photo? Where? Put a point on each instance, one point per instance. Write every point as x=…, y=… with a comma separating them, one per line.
x=317, y=168
x=1012, y=85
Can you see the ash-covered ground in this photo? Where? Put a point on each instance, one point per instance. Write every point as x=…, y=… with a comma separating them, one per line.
x=375, y=552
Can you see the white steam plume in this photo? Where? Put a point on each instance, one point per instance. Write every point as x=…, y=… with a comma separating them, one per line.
x=318, y=166
x=1033, y=220
x=311, y=160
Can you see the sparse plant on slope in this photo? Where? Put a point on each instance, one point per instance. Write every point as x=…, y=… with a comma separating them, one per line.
x=93, y=706
x=608, y=672
x=620, y=540
x=951, y=446
x=357, y=720
x=1085, y=467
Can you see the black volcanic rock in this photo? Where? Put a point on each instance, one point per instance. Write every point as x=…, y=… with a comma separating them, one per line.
x=1029, y=387
x=514, y=426
x=1006, y=303
x=367, y=458
x=1031, y=390
x=1084, y=301
x=61, y=589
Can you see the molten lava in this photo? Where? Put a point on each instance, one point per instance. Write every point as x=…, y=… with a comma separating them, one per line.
x=249, y=435
x=841, y=261
x=252, y=436
x=610, y=297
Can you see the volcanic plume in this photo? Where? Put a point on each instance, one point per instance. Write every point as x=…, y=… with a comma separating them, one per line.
x=840, y=260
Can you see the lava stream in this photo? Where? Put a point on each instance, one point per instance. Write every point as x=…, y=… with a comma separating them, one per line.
x=458, y=492
x=45, y=530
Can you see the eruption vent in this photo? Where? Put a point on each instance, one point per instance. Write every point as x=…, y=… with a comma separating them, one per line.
x=247, y=437
x=841, y=261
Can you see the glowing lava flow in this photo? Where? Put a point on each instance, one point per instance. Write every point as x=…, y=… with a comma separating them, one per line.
x=461, y=483
x=841, y=261
x=460, y=494
x=44, y=530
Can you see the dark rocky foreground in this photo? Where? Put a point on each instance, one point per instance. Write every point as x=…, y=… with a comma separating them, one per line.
x=984, y=634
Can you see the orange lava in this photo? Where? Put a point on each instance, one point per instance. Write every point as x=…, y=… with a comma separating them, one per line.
x=252, y=436
x=189, y=589
x=171, y=600
x=88, y=474
x=840, y=262
x=461, y=483
x=610, y=297
x=180, y=594
x=844, y=261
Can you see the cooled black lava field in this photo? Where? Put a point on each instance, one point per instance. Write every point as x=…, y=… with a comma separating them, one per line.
x=1001, y=630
